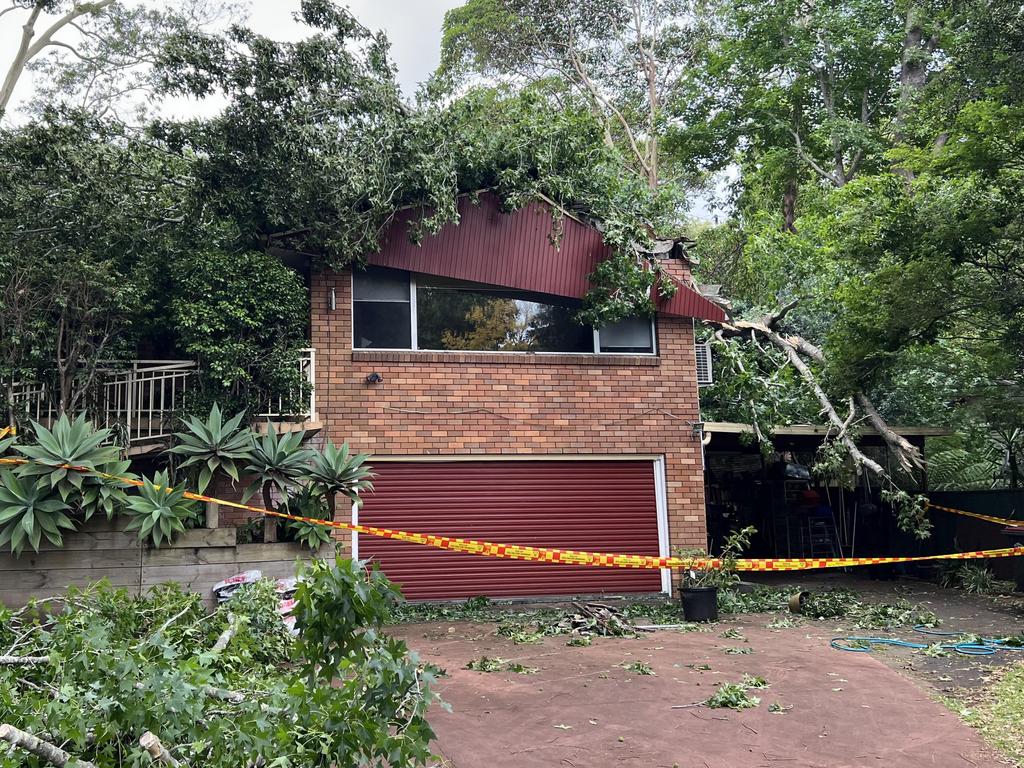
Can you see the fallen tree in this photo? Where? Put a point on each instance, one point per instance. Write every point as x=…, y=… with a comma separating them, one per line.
x=801, y=354
x=104, y=679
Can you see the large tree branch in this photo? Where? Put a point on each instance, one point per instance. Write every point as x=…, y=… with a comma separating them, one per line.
x=595, y=94
x=44, y=750
x=811, y=161
x=21, y=57
x=796, y=348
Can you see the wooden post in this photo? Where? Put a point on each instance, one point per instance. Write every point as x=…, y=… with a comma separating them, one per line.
x=212, y=514
x=269, y=529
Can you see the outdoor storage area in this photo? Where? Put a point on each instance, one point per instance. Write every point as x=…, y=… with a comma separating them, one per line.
x=797, y=512
x=637, y=701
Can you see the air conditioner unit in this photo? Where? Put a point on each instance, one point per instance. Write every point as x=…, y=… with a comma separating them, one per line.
x=705, y=377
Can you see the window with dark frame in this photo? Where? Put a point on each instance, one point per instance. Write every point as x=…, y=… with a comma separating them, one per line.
x=393, y=309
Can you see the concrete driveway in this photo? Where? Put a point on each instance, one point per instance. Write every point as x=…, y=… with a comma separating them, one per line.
x=585, y=707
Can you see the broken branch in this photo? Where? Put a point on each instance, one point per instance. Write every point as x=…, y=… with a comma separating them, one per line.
x=44, y=750
x=157, y=751
x=23, y=661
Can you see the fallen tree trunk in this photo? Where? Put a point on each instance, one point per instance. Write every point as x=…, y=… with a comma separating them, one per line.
x=796, y=348
x=44, y=750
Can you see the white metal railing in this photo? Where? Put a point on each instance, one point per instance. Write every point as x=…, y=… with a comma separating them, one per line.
x=142, y=399
x=138, y=399
x=307, y=367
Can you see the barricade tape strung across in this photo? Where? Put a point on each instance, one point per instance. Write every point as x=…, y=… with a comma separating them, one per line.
x=988, y=518
x=568, y=556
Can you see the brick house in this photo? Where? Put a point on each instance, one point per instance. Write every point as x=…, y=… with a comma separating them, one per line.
x=492, y=414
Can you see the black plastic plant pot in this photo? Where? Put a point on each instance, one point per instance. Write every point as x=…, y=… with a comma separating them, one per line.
x=700, y=603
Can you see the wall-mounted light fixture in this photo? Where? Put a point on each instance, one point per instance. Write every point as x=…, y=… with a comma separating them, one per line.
x=374, y=378
x=334, y=301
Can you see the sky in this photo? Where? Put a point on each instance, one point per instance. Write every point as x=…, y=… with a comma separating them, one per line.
x=412, y=26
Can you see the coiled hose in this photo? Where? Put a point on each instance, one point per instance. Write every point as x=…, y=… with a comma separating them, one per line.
x=976, y=646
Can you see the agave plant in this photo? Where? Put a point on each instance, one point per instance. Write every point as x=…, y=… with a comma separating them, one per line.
x=71, y=458
x=276, y=461
x=159, y=511
x=308, y=502
x=29, y=510
x=214, y=445
x=335, y=471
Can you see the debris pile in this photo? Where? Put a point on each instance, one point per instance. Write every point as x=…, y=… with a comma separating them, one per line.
x=595, y=619
x=225, y=590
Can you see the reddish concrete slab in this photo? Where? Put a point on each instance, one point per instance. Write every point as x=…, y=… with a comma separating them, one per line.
x=583, y=709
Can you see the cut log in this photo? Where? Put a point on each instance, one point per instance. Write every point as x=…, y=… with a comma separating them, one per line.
x=157, y=751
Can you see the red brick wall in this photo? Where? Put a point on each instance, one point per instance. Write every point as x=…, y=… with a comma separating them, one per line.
x=507, y=403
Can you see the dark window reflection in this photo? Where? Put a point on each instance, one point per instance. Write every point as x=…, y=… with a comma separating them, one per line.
x=455, y=315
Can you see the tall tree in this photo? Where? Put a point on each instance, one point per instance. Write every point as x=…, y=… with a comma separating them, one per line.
x=625, y=59
x=96, y=56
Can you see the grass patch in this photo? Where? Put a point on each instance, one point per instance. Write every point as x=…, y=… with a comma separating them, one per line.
x=999, y=713
x=738, y=651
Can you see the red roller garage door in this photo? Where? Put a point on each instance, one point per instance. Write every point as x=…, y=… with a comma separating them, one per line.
x=600, y=506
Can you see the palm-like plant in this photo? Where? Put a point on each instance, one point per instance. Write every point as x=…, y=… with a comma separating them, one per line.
x=159, y=511
x=335, y=471
x=276, y=461
x=29, y=510
x=67, y=458
x=214, y=445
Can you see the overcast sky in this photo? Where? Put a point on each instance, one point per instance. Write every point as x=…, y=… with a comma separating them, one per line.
x=412, y=26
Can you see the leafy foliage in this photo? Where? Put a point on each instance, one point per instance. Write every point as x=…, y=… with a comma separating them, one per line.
x=308, y=501
x=335, y=471
x=732, y=696
x=124, y=665
x=726, y=575
x=276, y=462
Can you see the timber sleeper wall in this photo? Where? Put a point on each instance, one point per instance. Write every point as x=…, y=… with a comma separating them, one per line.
x=197, y=559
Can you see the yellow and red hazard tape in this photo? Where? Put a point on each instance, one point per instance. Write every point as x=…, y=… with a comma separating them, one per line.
x=568, y=556
x=988, y=518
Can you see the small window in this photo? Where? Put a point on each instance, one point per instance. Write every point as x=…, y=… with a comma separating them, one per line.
x=381, y=309
x=632, y=335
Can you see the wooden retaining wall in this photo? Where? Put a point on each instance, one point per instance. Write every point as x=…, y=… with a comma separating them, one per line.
x=197, y=559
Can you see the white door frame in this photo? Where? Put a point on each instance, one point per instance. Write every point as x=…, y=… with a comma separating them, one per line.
x=660, y=490
x=661, y=502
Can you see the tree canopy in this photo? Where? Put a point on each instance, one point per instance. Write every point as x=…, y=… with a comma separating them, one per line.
x=872, y=226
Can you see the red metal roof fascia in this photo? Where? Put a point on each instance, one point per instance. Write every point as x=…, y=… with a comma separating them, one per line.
x=514, y=250
x=689, y=303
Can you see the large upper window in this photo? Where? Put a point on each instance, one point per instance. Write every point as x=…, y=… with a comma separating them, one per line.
x=396, y=310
